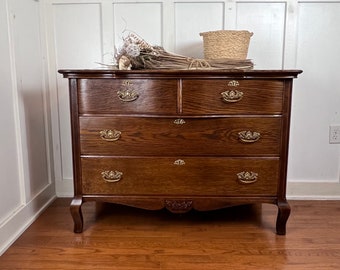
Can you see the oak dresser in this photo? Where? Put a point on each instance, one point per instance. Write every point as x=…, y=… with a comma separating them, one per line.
x=181, y=140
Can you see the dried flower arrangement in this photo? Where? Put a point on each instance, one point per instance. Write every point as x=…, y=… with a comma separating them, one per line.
x=136, y=53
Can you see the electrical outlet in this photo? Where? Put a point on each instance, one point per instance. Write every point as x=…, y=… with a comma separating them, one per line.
x=334, y=134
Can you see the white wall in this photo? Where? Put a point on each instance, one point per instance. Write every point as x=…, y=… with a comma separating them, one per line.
x=26, y=185
x=314, y=163
x=287, y=34
x=317, y=101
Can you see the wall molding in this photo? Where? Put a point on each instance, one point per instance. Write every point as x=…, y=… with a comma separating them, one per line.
x=22, y=218
x=308, y=190
x=64, y=188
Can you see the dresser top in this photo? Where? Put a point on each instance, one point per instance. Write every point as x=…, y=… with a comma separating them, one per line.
x=160, y=73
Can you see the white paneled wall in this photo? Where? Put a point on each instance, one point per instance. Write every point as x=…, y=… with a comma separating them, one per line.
x=78, y=42
x=287, y=34
x=317, y=100
x=267, y=22
x=27, y=185
x=9, y=164
x=144, y=18
x=193, y=18
x=29, y=71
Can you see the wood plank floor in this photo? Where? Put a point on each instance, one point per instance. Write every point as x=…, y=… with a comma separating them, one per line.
x=123, y=238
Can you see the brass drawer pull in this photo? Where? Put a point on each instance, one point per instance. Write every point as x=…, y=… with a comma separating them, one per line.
x=112, y=176
x=127, y=94
x=233, y=83
x=231, y=96
x=247, y=177
x=179, y=121
x=110, y=135
x=179, y=162
x=249, y=136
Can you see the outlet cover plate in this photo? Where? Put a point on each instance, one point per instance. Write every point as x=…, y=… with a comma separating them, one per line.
x=334, y=134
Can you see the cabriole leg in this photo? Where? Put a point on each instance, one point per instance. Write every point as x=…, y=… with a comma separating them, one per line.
x=77, y=215
x=282, y=217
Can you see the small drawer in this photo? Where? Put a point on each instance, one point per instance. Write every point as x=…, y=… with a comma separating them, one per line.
x=101, y=96
x=180, y=176
x=232, y=96
x=218, y=136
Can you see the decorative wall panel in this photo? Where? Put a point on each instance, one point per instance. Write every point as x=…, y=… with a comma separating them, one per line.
x=317, y=103
x=31, y=96
x=267, y=22
x=145, y=19
x=193, y=18
x=78, y=43
x=10, y=166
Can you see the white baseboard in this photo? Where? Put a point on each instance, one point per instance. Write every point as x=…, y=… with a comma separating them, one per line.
x=313, y=190
x=21, y=219
x=64, y=188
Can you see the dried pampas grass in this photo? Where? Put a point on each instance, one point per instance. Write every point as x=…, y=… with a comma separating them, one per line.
x=136, y=53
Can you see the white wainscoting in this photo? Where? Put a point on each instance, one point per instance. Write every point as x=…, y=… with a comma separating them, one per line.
x=27, y=184
x=287, y=34
x=314, y=166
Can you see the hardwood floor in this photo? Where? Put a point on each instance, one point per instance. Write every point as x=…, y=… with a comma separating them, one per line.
x=118, y=237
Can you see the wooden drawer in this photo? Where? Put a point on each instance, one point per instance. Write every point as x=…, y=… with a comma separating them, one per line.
x=240, y=97
x=132, y=96
x=191, y=176
x=136, y=136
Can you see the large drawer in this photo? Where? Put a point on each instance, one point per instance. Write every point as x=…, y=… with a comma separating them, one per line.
x=225, y=136
x=127, y=96
x=175, y=176
x=232, y=97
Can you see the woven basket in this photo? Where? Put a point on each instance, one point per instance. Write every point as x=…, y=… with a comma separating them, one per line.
x=226, y=44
